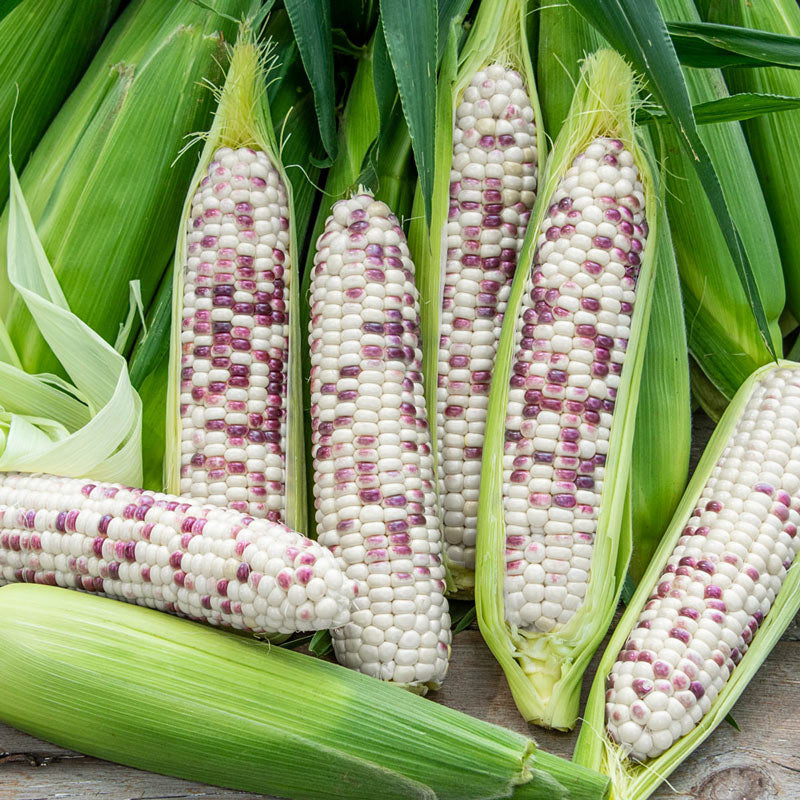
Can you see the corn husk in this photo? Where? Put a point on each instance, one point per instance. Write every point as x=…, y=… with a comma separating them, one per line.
x=544, y=671
x=638, y=781
x=723, y=335
x=46, y=47
x=89, y=425
x=105, y=184
x=773, y=139
x=243, y=119
x=499, y=33
x=152, y=691
x=662, y=438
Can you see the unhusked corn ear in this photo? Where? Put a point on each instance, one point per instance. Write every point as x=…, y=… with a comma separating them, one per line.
x=552, y=547
x=571, y=339
x=207, y=706
x=236, y=328
x=722, y=332
x=88, y=165
x=492, y=190
x=373, y=467
x=199, y=561
x=717, y=595
x=489, y=147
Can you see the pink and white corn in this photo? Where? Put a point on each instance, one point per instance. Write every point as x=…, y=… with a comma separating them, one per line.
x=235, y=337
x=571, y=337
x=720, y=581
x=200, y=561
x=373, y=466
x=492, y=190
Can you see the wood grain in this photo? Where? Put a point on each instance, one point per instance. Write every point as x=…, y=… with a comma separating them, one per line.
x=760, y=762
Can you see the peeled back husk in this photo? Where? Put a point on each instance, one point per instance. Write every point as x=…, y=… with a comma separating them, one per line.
x=105, y=184
x=144, y=689
x=544, y=670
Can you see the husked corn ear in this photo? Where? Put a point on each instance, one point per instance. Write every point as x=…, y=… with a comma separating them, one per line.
x=199, y=561
x=373, y=467
x=721, y=580
x=492, y=190
x=571, y=339
x=235, y=336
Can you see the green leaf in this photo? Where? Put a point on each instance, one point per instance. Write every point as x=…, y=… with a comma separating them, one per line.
x=320, y=644
x=414, y=62
x=311, y=23
x=637, y=29
x=729, y=718
x=706, y=44
x=735, y=107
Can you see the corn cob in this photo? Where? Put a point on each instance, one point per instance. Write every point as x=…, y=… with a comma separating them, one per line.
x=489, y=145
x=555, y=478
x=373, y=467
x=235, y=347
x=86, y=167
x=208, y=706
x=182, y=557
x=772, y=138
x=46, y=47
x=723, y=336
x=716, y=597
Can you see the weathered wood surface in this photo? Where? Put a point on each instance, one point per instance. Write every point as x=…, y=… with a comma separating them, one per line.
x=761, y=762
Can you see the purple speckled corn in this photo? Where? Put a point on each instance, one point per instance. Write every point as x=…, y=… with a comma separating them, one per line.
x=373, y=466
x=571, y=337
x=200, y=561
x=492, y=190
x=235, y=337
x=720, y=581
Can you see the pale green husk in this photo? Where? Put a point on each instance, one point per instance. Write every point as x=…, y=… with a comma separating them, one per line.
x=498, y=34
x=152, y=691
x=105, y=184
x=773, y=139
x=594, y=749
x=544, y=670
x=243, y=120
x=88, y=427
x=723, y=335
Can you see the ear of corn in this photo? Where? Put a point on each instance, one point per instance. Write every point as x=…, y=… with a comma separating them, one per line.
x=46, y=47
x=234, y=403
x=723, y=336
x=211, y=564
x=541, y=614
x=773, y=139
x=246, y=715
x=374, y=489
x=490, y=143
x=110, y=155
x=721, y=589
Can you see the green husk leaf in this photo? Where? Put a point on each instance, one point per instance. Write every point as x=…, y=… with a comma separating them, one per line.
x=46, y=47
x=148, y=690
x=312, y=30
x=637, y=30
x=414, y=61
x=733, y=108
x=498, y=33
x=593, y=749
x=773, y=140
x=243, y=119
x=701, y=44
x=544, y=671
x=91, y=427
x=102, y=217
